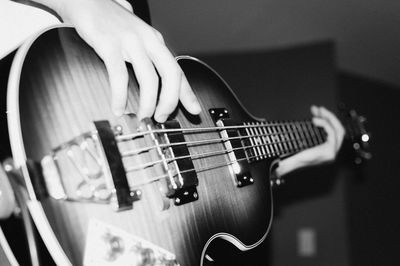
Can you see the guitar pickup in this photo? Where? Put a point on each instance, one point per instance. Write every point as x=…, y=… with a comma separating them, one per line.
x=186, y=182
x=233, y=144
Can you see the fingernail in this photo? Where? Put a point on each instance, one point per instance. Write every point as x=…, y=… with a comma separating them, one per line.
x=161, y=118
x=314, y=109
x=196, y=107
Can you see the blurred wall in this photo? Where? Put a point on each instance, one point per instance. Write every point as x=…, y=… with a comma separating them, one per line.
x=366, y=32
x=310, y=223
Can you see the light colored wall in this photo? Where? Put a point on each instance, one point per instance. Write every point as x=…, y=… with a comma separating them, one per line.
x=367, y=32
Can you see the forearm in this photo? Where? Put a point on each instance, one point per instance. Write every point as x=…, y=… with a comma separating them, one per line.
x=303, y=159
x=60, y=6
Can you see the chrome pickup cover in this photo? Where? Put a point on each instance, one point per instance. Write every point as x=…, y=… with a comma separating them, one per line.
x=234, y=145
x=178, y=152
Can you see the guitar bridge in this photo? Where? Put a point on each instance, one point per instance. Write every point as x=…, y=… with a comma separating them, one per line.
x=93, y=164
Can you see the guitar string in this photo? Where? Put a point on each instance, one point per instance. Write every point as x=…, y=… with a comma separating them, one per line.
x=157, y=178
x=212, y=141
x=219, y=152
x=273, y=147
x=127, y=137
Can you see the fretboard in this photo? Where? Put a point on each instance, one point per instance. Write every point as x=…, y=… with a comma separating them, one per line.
x=262, y=140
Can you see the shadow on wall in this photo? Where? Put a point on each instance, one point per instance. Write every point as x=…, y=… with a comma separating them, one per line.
x=282, y=84
x=366, y=31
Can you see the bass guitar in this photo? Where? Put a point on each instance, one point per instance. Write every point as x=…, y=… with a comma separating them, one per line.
x=118, y=191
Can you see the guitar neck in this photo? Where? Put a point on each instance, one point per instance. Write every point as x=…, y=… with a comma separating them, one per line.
x=263, y=140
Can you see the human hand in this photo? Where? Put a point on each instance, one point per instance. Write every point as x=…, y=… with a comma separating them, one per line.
x=118, y=36
x=323, y=153
x=7, y=199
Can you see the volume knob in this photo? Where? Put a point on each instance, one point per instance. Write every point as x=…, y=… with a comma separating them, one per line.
x=114, y=247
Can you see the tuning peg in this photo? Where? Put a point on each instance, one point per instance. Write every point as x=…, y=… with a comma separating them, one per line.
x=358, y=160
x=353, y=113
x=365, y=137
x=366, y=155
x=362, y=119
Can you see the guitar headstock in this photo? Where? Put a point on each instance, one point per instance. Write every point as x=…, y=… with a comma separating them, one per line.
x=357, y=135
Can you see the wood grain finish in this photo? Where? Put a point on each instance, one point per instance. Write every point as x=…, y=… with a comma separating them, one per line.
x=64, y=88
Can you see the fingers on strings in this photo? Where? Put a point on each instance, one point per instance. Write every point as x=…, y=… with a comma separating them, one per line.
x=149, y=58
x=326, y=119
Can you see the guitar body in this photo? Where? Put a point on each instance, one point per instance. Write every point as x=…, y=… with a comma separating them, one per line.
x=58, y=87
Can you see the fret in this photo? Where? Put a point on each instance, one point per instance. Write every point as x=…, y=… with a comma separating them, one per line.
x=273, y=139
x=256, y=140
x=281, y=135
x=262, y=140
x=257, y=147
x=281, y=139
x=289, y=136
x=320, y=135
x=303, y=144
x=299, y=137
x=311, y=130
x=270, y=140
x=295, y=136
x=246, y=142
x=316, y=130
x=310, y=127
x=272, y=146
x=251, y=140
x=266, y=139
x=276, y=139
x=307, y=134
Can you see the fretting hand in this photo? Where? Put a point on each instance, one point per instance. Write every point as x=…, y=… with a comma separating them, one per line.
x=323, y=153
